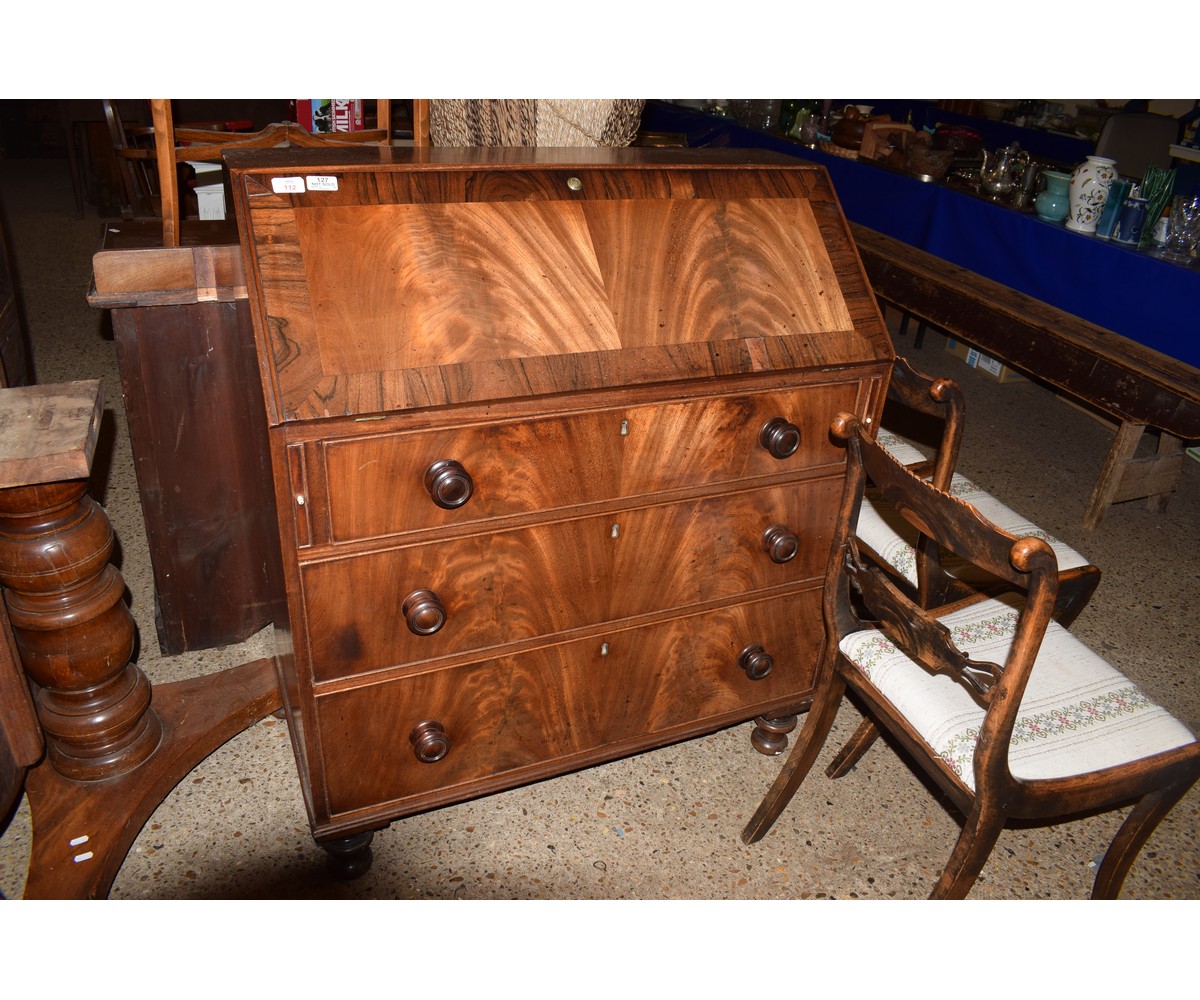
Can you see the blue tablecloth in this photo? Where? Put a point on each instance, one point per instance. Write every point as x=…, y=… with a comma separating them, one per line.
x=1135, y=294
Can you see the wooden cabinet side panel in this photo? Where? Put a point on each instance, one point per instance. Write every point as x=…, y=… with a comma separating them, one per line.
x=194, y=404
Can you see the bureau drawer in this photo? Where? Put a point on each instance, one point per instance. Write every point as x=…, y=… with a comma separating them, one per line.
x=575, y=703
x=489, y=589
x=378, y=484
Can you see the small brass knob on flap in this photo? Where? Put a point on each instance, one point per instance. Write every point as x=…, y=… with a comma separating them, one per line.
x=423, y=612
x=429, y=741
x=449, y=484
x=780, y=543
x=756, y=661
x=574, y=183
x=780, y=437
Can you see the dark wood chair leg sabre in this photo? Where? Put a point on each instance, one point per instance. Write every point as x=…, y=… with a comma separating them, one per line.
x=114, y=746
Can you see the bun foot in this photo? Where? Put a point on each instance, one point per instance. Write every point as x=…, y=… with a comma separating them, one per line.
x=770, y=735
x=349, y=857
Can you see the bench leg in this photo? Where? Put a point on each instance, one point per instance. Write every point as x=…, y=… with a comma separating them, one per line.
x=1126, y=477
x=1169, y=464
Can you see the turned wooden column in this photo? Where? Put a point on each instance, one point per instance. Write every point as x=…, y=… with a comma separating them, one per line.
x=65, y=600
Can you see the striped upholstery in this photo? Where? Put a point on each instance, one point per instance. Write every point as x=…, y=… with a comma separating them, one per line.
x=1078, y=713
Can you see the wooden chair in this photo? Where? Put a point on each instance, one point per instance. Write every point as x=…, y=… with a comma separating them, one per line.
x=899, y=549
x=133, y=149
x=1008, y=713
x=941, y=399
x=205, y=145
x=895, y=543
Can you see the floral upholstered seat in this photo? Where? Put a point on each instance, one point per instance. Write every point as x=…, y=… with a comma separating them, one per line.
x=1078, y=713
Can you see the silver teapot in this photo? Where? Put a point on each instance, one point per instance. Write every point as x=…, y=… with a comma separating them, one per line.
x=1001, y=171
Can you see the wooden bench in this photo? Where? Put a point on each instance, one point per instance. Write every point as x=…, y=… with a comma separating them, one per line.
x=1134, y=385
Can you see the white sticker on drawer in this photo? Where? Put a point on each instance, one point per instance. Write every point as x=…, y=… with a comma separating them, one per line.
x=322, y=183
x=287, y=185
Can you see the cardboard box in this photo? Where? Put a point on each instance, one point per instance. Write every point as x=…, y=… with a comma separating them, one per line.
x=876, y=137
x=975, y=358
x=325, y=114
x=210, y=189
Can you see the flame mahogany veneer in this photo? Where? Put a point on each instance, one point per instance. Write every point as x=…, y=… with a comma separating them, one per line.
x=549, y=439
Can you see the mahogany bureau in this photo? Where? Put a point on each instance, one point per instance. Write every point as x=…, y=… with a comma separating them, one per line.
x=549, y=432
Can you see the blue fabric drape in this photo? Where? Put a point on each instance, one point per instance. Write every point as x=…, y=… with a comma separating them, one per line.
x=1135, y=294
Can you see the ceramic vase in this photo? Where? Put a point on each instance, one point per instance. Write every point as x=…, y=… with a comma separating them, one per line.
x=1089, y=190
x=1054, y=203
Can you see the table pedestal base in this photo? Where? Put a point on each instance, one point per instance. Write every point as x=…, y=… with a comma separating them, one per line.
x=82, y=830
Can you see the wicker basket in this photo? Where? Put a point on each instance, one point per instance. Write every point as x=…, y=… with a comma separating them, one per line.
x=533, y=122
x=833, y=149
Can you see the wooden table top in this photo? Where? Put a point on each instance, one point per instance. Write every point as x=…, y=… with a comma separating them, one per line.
x=48, y=432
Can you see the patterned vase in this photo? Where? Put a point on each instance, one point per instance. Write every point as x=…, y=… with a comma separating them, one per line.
x=1089, y=190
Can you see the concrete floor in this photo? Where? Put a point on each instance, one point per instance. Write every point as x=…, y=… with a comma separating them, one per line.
x=662, y=825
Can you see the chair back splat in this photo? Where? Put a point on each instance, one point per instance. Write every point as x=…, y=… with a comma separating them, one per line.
x=902, y=551
x=1009, y=713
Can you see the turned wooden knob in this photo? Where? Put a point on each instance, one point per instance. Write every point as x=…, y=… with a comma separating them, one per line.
x=780, y=543
x=756, y=661
x=424, y=612
x=429, y=741
x=449, y=484
x=780, y=437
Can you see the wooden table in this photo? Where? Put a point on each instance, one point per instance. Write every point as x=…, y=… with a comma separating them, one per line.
x=113, y=746
x=1100, y=322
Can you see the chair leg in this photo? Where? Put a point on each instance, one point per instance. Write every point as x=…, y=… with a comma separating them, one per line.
x=809, y=741
x=858, y=744
x=1134, y=832
x=975, y=844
